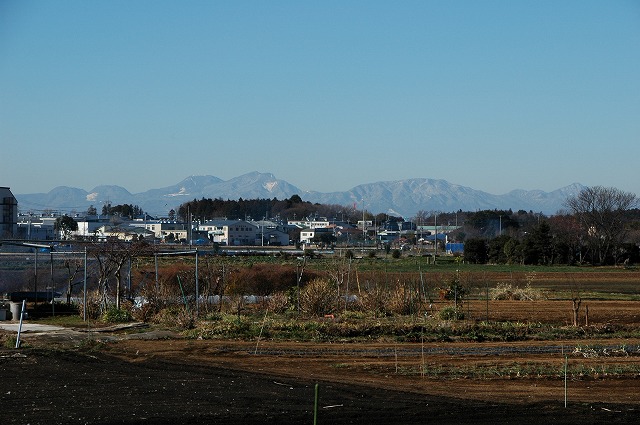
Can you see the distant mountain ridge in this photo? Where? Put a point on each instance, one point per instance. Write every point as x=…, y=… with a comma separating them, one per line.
x=399, y=197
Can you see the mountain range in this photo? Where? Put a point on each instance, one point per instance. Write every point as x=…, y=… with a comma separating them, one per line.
x=401, y=197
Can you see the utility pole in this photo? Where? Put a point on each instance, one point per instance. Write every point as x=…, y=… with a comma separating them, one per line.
x=35, y=276
x=52, y=288
x=84, y=295
x=197, y=287
x=364, y=228
x=435, y=226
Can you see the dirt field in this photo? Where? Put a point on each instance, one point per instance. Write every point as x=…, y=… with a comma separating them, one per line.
x=601, y=312
x=64, y=388
x=193, y=382
x=158, y=377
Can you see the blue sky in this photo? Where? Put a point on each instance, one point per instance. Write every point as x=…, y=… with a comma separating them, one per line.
x=494, y=95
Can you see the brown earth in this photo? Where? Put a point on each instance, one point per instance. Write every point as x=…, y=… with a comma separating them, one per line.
x=601, y=312
x=159, y=377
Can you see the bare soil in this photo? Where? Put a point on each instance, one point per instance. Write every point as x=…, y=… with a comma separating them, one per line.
x=119, y=377
x=601, y=312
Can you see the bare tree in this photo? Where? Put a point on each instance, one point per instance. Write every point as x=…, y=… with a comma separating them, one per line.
x=101, y=253
x=575, y=308
x=424, y=217
x=74, y=266
x=124, y=254
x=119, y=259
x=111, y=256
x=340, y=269
x=601, y=214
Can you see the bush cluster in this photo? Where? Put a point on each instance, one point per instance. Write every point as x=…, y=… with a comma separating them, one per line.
x=505, y=291
x=451, y=313
x=319, y=297
x=114, y=315
x=177, y=317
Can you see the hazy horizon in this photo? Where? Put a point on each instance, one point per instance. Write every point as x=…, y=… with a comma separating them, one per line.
x=89, y=189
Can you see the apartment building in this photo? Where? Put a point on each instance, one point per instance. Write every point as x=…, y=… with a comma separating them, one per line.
x=8, y=213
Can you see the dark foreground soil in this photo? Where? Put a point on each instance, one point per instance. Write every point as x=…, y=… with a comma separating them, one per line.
x=100, y=387
x=122, y=375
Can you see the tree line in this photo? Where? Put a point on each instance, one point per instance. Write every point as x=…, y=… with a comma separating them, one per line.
x=601, y=226
x=293, y=208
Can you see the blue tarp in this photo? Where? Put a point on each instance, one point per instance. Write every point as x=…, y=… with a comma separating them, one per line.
x=454, y=247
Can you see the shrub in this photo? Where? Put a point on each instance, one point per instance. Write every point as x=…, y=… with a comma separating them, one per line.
x=402, y=301
x=278, y=302
x=319, y=297
x=93, y=306
x=375, y=300
x=454, y=290
x=355, y=314
x=235, y=305
x=505, y=291
x=176, y=317
x=396, y=253
x=214, y=316
x=451, y=313
x=145, y=312
x=265, y=279
x=9, y=341
x=114, y=315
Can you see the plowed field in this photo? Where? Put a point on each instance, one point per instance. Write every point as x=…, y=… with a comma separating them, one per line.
x=161, y=378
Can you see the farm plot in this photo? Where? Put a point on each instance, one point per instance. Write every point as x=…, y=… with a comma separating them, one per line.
x=507, y=364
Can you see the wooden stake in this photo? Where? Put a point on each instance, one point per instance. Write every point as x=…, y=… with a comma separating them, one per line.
x=566, y=360
x=315, y=407
x=586, y=315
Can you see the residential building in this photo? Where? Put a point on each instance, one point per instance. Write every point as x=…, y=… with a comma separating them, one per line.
x=271, y=233
x=88, y=226
x=36, y=227
x=366, y=224
x=164, y=229
x=230, y=232
x=8, y=213
x=311, y=223
x=124, y=233
x=308, y=235
x=100, y=227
